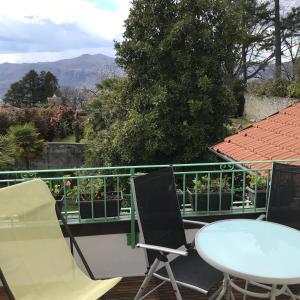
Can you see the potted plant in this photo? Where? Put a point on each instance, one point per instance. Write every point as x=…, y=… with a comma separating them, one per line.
x=94, y=195
x=58, y=194
x=200, y=193
x=257, y=183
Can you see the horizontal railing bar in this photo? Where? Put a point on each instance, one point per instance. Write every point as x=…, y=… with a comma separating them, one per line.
x=128, y=175
x=148, y=166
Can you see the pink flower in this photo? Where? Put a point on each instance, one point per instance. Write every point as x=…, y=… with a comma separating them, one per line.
x=68, y=183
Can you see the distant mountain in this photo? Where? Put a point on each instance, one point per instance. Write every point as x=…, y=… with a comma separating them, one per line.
x=85, y=70
x=269, y=71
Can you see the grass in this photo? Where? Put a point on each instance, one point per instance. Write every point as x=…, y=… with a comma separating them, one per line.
x=238, y=124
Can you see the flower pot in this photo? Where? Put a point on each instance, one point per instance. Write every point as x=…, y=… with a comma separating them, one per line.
x=261, y=197
x=213, y=200
x=112, y=206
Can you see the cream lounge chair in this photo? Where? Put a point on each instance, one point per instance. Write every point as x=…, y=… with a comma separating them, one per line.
x=35, y=260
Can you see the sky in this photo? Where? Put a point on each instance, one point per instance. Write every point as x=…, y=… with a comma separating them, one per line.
x=49, y=30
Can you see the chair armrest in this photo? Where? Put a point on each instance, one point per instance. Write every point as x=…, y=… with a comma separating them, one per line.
x=162, y=249
x=194, y=222
x=261, y=217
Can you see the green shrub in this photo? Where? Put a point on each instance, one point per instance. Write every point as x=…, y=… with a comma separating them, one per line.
x=280, y=87
x=270, y=87
x=260, y=87
x=294, y=89
x=6, y=153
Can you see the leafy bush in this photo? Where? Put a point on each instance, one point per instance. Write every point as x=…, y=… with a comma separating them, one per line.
x=202, y=184
x=6, y=153
x=51, y=122
x=259, y=180
x=59, y=121
x=4, y=121
x=270, y=87
x=294, y=89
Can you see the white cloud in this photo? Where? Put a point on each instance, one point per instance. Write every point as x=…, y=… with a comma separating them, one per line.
x=56, y=25
x=84, y=13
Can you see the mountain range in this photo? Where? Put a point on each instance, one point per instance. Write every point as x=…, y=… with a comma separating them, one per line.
x=85, y=70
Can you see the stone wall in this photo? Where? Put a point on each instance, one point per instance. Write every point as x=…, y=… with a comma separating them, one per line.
x=260, y=107
x=57, y=156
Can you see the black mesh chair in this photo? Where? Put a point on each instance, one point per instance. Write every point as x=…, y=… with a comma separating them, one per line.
x=284, y=200
x=162, y=230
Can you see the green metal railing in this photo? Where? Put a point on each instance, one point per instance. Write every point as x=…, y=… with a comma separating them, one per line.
x=92, y=195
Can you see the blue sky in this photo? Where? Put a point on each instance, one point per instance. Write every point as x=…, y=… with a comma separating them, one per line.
x=106, y=4
x=48, y=30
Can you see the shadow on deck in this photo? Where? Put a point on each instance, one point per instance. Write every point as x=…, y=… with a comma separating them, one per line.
x=128, y=287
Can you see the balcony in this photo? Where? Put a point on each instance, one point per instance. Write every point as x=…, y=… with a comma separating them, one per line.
x=97, y=203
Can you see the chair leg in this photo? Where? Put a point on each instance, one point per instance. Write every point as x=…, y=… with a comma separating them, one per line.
x=173, y=281
x=246, y=288
x=146, y=280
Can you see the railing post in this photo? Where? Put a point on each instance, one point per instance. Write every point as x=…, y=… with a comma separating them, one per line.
x=132, y=215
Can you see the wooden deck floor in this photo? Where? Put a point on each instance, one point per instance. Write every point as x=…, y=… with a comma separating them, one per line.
x=128, y=287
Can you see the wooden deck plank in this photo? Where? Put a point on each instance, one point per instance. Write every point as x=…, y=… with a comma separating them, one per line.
x=128, y=287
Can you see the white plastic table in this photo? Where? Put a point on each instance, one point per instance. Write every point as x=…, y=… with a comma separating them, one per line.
x=253, y=250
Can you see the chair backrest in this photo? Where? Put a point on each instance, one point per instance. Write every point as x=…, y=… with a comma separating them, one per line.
x=284, y=200
x=34, y=256
x=158, y=210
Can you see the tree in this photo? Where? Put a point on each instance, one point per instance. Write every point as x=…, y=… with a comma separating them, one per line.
x=75, y=97
x=290, y=41
x=26, y=142
x=15, y=95
x=256, y=42
x=174, y=102
x=277, y=25
x=49, y=85
x=32, y=89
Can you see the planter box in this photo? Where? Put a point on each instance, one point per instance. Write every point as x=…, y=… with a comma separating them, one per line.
x=180, y=194
x=213, y=200
x=261, y=197
x=113, y=206
x=59, y=203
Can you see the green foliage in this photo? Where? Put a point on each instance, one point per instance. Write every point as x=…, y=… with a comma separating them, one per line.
x=32, y=89
x=174, y=102
x=259, y=180
x=26, y=142
x=271, y=87
x=87, y=189
x=294, y=89
x=203, y=184
x=58, y=120
x=51, y=122
x=238, y=89
x=4, y=121
x=297, y=68
x=6, y=153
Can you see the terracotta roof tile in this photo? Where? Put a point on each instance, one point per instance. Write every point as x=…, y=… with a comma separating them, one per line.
x=274, y=138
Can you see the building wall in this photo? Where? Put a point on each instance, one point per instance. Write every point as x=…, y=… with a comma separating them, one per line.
x=57, y=156
x=260, y=107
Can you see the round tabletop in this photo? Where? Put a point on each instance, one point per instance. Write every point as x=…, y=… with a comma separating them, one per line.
x=255, y=250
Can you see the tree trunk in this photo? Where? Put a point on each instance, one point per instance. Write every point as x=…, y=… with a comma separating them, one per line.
x=277, y=41
x=244, y=65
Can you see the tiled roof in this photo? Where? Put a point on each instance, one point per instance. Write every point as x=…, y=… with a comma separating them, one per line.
x=274, y=138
